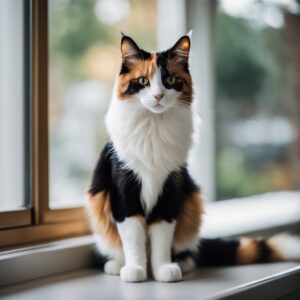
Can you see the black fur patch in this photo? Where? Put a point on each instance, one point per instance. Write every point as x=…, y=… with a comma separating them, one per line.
x=124, y=69
x=264, y=251
x=98, y=260
x=145, y=55
x=219, y=252
x=216, y=252
x=101, y=179
x=133, y=88
x=122, y=184
x=125, y=189
x=162, y=61
x=178, y=186
x=181, y=255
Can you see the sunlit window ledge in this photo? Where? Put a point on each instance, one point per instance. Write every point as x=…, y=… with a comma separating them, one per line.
x=252, y=215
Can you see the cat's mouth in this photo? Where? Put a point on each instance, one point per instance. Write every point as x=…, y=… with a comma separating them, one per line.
x=158, y=108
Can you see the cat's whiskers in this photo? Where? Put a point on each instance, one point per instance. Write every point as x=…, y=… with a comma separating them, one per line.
x=183, y=102
x=135, y=107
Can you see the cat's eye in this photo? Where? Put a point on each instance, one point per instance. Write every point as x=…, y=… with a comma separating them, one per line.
x=170, y=80
x=143, y=80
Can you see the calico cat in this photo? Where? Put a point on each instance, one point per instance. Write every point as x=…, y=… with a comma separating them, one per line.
x=142, y=202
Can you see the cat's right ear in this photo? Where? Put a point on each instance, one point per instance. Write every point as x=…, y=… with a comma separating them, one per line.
x=129, y=49
x=182, y=46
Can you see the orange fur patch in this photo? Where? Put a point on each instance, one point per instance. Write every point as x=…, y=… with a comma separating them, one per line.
x=101, y=219
x=248, y=251
x=275, y=255
x=139, y=68
x=189, y=219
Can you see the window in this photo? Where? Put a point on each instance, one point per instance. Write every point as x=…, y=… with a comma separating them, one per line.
x=257, y=127
x=25, y=214
x=244, y=67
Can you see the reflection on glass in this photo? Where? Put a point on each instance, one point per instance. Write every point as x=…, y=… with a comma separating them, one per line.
x=84, y=60
x=11, y=105
x=255, y=127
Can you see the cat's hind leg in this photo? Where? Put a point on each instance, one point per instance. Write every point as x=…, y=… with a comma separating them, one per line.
x=108, y=242
x=186, y=264
x=113, y=266
x=114, y=256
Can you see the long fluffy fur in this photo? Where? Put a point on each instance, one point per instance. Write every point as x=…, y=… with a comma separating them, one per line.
x=151, y=145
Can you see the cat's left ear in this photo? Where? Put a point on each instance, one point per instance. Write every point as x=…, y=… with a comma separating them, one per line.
x=182, y=47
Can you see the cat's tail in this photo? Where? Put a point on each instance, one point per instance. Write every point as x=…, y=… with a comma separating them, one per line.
x=216, y=252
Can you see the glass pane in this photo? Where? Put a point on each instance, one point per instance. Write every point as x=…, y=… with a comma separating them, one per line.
x=258, y=55
x=84, y=60
x=11, y=104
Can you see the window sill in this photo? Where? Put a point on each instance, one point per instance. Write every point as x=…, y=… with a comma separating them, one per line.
x=264, y=214
x=271, y=281
x=47, y=259
x=259, y=214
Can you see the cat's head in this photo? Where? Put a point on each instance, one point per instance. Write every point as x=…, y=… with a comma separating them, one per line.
x=157, y=81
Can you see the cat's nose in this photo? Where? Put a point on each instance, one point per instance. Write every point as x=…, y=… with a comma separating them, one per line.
x=158, y=97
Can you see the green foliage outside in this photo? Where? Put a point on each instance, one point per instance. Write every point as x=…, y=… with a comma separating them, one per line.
x=250, y=81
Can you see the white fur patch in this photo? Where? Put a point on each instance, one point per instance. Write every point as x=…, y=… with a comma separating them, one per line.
x=150, y=144
x=288, y=246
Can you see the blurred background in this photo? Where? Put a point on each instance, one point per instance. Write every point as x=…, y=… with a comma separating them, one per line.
x=251, y=115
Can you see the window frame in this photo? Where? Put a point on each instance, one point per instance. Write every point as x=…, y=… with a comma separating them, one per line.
x=39, y=222
x=201, y=15
x=15, y=218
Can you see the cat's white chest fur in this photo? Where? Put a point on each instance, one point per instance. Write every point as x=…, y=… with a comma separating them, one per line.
x=152, y=145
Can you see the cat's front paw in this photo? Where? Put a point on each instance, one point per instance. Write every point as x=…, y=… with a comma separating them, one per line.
x=112, y=267
x=168, y=273
x=133, y=274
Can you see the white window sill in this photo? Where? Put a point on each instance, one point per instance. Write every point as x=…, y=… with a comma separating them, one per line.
x=255, y=214
x=232, y=217
x=271, y=281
